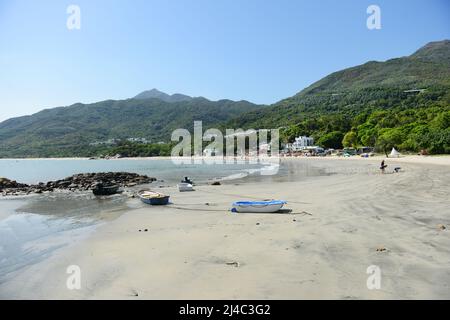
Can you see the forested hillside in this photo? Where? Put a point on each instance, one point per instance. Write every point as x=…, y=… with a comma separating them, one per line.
x=402, y=102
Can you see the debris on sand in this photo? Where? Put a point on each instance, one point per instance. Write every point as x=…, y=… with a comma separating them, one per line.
x=381, y=249
x=134, y=293
x=216, y=183
x=233, y=263
x=441, y=227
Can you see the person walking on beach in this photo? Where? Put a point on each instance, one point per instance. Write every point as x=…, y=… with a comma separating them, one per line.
x=383, y=167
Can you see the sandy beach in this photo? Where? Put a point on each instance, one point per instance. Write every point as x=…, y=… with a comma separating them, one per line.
x=340, y=224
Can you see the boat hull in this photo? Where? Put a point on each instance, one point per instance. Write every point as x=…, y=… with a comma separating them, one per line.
x=258, y=206
x=183, y=187
x=105, y=191
x=157, y=200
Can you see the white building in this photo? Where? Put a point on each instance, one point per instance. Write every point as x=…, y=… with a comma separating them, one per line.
x=138, y=140
x=302, y=143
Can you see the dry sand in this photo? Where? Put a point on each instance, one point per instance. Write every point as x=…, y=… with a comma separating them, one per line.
x=321, y=249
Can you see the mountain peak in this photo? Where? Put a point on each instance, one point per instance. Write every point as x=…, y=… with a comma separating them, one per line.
x=437, y=51
x=427, y=66
x=156, y=94
x=155, y=91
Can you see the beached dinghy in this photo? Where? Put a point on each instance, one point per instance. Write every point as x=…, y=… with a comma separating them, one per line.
x=258, y=206
x=153, y=198
x=184, y=186
x=101, y=190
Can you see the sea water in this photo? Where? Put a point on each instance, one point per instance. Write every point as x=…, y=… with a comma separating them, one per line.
x=43, y=170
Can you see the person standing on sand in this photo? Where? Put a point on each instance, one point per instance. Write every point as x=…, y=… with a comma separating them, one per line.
x=383, y=167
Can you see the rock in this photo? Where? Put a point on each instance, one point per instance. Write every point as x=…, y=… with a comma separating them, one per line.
x=10, y=184
x=216, y=183
x=441, y=227
x=78, y=182
x=381, y=249
x=63, y=184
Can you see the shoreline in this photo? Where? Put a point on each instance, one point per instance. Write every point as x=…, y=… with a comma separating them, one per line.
x=443, y=160
x=430, y=159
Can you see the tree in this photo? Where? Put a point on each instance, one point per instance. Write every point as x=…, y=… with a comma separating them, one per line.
x=350, y=139
x=388, y=139
x=436, y=141
x=331, y=140
x=442, y=121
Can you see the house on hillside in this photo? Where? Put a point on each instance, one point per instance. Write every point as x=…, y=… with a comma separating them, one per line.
x=302, y=143
x=138, y=140
x=415, y=91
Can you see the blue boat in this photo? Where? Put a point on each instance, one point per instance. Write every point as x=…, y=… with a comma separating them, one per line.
x=153, y=198
x=267, y=206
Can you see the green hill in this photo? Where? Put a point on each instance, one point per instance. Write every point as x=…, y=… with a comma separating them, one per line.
x=154, y=93
x=427, y=67
x=71, y=131
x=408, y=98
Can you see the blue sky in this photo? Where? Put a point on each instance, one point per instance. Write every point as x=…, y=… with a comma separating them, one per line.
x=258, y=50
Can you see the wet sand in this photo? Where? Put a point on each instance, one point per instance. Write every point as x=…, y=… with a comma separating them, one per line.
x=196, y=249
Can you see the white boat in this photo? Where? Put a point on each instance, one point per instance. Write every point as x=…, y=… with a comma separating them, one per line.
x=258, y=206
x=153, y=198
x=183, y=186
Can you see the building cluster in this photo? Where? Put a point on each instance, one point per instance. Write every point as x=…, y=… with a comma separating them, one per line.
x=111, y=142
x=303, y=144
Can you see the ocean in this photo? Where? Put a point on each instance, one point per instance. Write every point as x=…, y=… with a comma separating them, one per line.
x=43, y=170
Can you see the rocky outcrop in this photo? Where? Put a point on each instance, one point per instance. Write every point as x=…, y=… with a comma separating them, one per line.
x=11, y=184
x=78, y=182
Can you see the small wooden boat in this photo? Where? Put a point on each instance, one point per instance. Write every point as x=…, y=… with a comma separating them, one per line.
x=258, y=206
x=184, y=186
x=153, y=198
x=101, y=190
